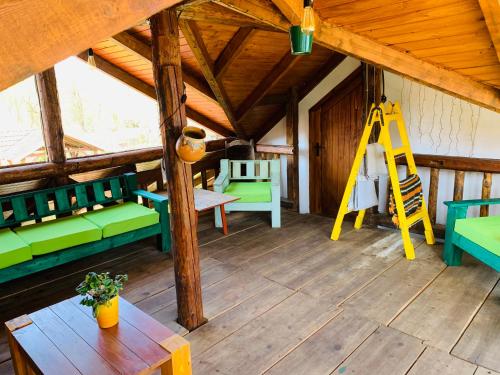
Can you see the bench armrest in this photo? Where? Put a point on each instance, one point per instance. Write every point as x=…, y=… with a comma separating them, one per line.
x=151, y=196
x=221, y=182
x=472, y=202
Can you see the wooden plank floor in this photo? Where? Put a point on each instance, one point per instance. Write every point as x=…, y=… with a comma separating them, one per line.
x=290, y=301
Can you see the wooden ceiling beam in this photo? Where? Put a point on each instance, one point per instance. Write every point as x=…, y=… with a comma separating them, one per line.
x=232, y=50
x=35, y=35
x=216, y=14
x=195, y=41
x=150, y=91
x=286, y=63
x=206, y=122
x=291, y=9
x=491, y=12
x=142, y=49
x=349, y=43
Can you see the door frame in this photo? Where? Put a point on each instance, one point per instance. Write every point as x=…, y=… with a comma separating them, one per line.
x=315, y=167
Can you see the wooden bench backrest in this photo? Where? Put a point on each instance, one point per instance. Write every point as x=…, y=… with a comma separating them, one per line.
x=250, y=169
x=35, y=205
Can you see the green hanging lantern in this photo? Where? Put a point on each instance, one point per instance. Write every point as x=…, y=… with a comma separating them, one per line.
x=300, y=41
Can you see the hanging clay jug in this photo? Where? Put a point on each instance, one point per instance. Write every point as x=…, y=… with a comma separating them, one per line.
x=190, y=146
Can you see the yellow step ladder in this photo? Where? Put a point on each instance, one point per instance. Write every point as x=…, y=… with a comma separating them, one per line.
x=384, y=115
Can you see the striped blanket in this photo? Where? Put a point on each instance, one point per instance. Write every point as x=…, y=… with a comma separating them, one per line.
x=411, y=191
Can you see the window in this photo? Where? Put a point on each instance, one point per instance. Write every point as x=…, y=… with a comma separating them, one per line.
x=21, y=139
x=101, y=114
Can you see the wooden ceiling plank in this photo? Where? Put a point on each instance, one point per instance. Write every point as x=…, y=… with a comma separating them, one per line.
x=31, y=28
x=195, y=41
x=273, y=99
x=150, y=91
x=347, y=42
x=491, y=12
x=232, y=50
x=323, y=72
x=142, y=49
x=280, y=69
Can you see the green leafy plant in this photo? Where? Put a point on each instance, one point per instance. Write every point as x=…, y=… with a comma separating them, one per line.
x=99, y=288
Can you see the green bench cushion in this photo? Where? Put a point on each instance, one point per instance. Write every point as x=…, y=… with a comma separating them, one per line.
x=250, y=192
x=484, y=231
x=122, y=218
x=54, y=235
x=13, y=250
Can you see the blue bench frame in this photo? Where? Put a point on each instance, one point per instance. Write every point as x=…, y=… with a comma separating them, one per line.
x=455, y=244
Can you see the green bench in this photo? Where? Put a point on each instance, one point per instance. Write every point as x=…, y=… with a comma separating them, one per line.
x=479, y=236
x=41, y=244
x=255, y=182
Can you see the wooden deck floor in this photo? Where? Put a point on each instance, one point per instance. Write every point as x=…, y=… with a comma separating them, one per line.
x=290, y=301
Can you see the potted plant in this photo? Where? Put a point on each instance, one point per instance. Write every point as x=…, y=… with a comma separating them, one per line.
x=100, y=292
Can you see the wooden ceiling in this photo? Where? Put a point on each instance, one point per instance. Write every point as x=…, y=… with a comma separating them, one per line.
x=238, y=72
x=450, y=33
x=235, y=53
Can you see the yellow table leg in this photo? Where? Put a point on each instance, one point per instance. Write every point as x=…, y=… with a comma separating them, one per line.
x=180, y=363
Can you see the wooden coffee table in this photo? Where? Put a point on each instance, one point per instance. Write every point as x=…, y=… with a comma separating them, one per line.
x=65, y=339
x=205, y=200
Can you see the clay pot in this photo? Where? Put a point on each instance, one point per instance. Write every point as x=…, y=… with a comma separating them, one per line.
x=190, y=146
x=107, y=315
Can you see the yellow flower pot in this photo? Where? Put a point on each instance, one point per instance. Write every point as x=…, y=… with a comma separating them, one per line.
x=107, y=315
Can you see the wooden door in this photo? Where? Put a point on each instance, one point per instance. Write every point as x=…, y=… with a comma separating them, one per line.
x=335, y=128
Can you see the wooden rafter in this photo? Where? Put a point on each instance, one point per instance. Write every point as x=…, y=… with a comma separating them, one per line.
x=347, y=42
x=286, y=63
x=58, y=29
x=292, y=10
x=203, y=120
x=232, y=50
x=213, y=13
x=148, y=90
x=142, y=49
x=195, y=41
x=491, y=12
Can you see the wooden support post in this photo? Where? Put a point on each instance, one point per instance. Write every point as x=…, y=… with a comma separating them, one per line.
x=433, y=193
x=169, y=88
x=485, y=193
x=458, y=189
x=292, y=139
x=48, y=98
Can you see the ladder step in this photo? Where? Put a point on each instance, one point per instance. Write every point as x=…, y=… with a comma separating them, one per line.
x=400, y=151
x=415, y=217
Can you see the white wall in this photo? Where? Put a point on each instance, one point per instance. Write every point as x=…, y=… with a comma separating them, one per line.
x=437, y=124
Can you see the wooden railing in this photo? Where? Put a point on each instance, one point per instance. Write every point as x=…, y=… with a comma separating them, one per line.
x=272, y=151
x=146, y=162
x=459, y=165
